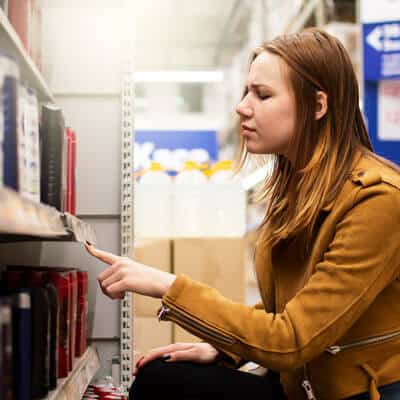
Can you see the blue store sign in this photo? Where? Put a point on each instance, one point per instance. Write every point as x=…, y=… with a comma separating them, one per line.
x=381, y=51
x=381, y=65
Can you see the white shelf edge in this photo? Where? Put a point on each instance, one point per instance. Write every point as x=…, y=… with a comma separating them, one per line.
x=29, y=71
x=21, y=216
x=74, y=386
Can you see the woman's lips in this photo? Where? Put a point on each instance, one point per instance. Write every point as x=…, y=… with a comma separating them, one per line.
x=247, y=130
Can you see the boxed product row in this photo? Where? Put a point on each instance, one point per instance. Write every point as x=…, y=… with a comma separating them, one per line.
x=26, y=18
x=43, y=328
x=37, y=151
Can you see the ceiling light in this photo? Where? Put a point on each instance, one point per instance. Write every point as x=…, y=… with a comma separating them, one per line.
x=179, y=76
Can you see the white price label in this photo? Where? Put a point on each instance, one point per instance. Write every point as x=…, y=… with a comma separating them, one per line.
x=389, y=110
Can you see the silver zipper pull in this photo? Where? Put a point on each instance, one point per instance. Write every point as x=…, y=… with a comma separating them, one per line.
x=162, y=312
x=308, y=389
x=334, y=350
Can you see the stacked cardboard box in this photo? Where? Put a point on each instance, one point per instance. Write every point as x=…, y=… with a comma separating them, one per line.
x=148, y=332
x=217, y=262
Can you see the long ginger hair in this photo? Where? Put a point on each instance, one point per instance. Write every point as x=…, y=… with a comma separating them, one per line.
x=322, y=151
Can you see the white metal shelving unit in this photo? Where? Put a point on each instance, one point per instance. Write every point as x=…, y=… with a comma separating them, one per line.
x=22, y=219
x=126, y=339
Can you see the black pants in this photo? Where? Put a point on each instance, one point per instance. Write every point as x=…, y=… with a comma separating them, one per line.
x=191, y=381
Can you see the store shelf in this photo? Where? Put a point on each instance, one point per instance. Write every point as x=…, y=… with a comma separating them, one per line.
x=74, y=386
x=11, y=43
x=78, y=230
x=20, y=217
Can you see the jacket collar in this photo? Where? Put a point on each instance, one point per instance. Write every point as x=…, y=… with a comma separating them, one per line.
x=355, y=166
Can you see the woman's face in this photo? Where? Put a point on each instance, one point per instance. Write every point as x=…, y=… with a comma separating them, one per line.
x=268, y=110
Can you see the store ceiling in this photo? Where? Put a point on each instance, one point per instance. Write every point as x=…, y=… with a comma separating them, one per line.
x=188, y=34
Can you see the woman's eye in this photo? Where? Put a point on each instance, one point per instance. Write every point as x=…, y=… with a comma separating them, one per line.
x=263, y=96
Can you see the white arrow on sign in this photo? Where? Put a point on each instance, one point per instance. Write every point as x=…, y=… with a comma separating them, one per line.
x=381, y=38
x=374, y=38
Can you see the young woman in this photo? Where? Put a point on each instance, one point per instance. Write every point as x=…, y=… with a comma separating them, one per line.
x=327, y=259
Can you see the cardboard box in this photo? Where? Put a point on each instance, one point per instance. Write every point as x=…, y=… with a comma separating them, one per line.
x=180, y=335
x=217, y=262
x=155, y=253
x=148, y=334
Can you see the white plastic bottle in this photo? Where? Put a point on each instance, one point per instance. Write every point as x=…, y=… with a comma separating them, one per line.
x=188, y=204
x=152, y=204
x=227, y=215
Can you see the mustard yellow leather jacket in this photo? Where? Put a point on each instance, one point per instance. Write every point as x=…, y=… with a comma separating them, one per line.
x=330, y=323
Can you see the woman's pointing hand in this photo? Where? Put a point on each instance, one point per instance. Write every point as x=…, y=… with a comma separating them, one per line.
x=125, y=274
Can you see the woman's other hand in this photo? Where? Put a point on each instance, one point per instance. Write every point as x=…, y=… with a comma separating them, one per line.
x=125, y=274
x=202, y=353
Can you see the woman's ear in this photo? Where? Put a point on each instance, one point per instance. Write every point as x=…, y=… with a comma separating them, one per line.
x=322, y=104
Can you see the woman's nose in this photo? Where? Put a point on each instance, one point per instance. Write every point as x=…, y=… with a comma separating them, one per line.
x=244, y=110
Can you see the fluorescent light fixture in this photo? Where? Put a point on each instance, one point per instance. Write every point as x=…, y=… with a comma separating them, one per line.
x=179, y=76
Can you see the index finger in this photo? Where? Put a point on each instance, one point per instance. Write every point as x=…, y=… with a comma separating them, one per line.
x=104, y=256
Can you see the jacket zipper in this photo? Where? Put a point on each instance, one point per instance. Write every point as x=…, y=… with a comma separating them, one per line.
x=306, y=385
x=337, y=348
x=165, y=313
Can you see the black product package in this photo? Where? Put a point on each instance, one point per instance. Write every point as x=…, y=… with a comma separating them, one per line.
x=54, y=337
x=53, y=157
x=40, y=342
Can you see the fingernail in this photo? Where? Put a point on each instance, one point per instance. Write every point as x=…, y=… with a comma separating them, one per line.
x=166, y=357
x=88, y=243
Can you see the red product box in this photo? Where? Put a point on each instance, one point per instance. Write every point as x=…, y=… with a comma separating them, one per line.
x=73, y=315
x=71, y=170
x=81, y=331
x=68, y=200
x=62, y=283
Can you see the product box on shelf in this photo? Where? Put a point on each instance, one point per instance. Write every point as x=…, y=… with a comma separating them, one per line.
x=43, y=318
x=20, y=302
x=53, y=157
x=9, y=80
x=71, y=172
x=156, y=253
x=62, y=283
x=26, y=18
x=73, y=299
x=82, y=312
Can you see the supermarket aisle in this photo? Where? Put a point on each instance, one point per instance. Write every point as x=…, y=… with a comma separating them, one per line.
x=118, y=128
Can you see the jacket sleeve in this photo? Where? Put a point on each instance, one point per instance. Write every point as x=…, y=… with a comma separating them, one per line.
x=231, y=360
x=361, y=260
